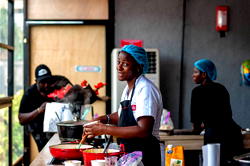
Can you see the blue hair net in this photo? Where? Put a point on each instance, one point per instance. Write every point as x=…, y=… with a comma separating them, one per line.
x=139, y=54
x=207, y=66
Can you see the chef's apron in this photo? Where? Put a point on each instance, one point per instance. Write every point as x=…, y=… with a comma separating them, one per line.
x=149, y=146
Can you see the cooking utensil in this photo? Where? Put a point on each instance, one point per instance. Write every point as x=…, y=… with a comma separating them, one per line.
x=58, y=117
x=90, y=123
x=86, y=109
x=67, y=151
x=108, y=143
x=70, y=131
x=82, y=140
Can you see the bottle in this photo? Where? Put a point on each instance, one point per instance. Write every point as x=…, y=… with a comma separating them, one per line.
x=168, y=154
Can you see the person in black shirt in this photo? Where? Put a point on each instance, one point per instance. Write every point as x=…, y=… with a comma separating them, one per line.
x=32, y=107
x=211, y=111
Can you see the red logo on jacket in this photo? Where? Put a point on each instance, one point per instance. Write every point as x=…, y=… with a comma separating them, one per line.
x=133, y=107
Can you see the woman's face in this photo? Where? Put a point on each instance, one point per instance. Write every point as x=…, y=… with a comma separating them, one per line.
x=197, y=76
x=127, y=67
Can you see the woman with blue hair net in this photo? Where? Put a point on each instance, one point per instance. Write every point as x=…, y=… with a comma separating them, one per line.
x=137, y=121
x=211, y=111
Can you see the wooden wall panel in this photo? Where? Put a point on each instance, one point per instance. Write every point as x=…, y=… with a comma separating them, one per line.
x=62, y=48
x=67, y=9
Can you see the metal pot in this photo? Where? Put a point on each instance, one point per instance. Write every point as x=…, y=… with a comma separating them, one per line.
x=70, y=131
x=243, y=160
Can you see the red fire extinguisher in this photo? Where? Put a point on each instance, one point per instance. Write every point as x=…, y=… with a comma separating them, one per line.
x=222, y=18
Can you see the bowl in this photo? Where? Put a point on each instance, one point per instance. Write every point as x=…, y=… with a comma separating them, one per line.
x=72, y=163
x=97, y=162
x=68, y=151
x=243, y=160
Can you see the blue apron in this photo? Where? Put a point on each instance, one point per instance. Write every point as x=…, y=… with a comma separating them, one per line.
x=149, y=146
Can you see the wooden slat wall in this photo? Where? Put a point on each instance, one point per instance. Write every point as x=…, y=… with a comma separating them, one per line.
x=64, y=47
x=67, y=9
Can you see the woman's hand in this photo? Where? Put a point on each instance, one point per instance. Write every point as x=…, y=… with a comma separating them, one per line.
x=93, y=130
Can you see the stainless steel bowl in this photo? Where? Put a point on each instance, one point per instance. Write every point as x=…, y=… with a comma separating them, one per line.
x=243, y=160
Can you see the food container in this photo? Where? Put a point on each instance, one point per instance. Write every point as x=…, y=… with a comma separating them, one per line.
x=97, y=162
x=243, y=160
x=68, y=151
x=70, y=131
x=97, y=154
x=72, y=163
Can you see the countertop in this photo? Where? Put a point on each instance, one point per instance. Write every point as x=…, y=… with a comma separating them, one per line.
x=189, y=141
x=44, y=157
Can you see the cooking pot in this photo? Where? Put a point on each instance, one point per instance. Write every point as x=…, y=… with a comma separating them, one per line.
x=68, y=151
x=243, y=160
x=97, y=154
x=70, y=131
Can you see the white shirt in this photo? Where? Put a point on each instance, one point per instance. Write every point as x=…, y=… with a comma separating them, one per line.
x=146, y=101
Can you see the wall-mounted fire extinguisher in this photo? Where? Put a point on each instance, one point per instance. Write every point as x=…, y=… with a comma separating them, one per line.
x=222, y=18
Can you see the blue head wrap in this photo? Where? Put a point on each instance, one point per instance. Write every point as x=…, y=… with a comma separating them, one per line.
x=139, y=54
x=207, y=66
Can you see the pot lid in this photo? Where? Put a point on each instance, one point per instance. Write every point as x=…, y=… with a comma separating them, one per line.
x=71, y=123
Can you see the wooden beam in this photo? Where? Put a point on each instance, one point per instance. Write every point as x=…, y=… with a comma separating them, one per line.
x=6, y=46
x=18, y=161
x=5, y=102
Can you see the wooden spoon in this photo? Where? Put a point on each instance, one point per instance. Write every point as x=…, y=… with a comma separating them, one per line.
x=82, y=140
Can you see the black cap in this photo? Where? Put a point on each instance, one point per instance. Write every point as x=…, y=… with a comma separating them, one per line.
x=42, y=71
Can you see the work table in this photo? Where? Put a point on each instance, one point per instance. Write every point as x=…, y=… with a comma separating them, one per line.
x=185, y=138
x=44, y=157
x=190, y=142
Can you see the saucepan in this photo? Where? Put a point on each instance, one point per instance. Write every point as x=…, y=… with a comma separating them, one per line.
x=70, y=131
x=68, y=151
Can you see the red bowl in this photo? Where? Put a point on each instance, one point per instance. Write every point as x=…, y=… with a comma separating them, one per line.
x=67, y=151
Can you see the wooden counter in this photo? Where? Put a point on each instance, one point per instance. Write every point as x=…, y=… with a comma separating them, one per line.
x=194, y=142
x=44, y=157
x=190, y=142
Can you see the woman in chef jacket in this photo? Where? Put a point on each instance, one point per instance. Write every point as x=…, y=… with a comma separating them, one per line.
x=137, y=121
x=211, y=111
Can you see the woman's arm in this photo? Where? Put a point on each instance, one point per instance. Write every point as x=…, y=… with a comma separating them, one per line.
x=109, y=118
x=142, y=130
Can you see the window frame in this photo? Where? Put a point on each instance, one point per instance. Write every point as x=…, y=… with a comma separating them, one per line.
x=6, y=102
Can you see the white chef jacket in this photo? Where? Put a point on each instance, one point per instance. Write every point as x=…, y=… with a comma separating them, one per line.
x=146, y=101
